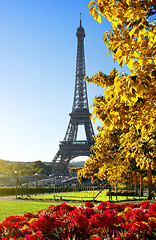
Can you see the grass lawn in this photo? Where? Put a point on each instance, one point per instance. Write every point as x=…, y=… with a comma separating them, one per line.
x=84, y=196
x=8, y=208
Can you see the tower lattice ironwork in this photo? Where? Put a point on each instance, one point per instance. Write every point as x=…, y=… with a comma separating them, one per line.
x=70, y=147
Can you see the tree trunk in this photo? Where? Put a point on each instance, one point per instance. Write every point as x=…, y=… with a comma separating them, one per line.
x=149, y=183
x=110, y=194
x=136, y=184
x=131, y=181
x=141, y=184
x=116, y=190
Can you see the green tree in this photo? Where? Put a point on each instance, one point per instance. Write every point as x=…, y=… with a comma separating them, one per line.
x=40, y=167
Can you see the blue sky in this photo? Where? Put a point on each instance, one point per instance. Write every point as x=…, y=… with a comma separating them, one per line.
x=38, y=47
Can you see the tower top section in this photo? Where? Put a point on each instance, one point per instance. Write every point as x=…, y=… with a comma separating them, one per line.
x=80, y=103
x=80, y=29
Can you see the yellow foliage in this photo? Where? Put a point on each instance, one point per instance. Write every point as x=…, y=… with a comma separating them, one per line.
x=107, y=122
x=128, y=108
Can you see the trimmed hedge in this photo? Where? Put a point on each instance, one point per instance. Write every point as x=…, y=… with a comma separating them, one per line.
x=5, y=191
x=22, y=191
x=126, y=193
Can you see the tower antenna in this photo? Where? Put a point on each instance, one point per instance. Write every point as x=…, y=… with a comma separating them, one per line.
x=80, y=18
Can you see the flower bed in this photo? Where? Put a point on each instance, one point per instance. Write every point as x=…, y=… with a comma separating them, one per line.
x=104, y=221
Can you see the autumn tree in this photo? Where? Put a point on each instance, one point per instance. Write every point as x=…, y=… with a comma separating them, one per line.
x=107, y=163
x=129, y=102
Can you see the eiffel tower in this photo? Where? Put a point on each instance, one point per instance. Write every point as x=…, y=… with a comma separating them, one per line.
x=70, y=147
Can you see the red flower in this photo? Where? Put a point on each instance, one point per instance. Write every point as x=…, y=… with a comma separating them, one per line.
x=80, y=221
x=45, y=223
x=152, y=210
x=89, y=212
x=64, y=207
x=59, y=222
x=29, y=215
x=136, y=215
x=89, y=205
x=102, y=206
x=38, y=236
x=97, y=238
x=1, y=228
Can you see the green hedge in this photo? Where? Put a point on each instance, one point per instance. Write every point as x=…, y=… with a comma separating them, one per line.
x=22, y=191
x=5, y=191
x=125, y=193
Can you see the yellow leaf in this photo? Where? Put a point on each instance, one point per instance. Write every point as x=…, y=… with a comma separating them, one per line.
x=127, y=1
x=140, y=88
x=107, y=122
x=136, y=54
x=98, y=19
x=115, y=23
x=95, y=14
x=132, y=31
x=93, y=237
x=91, y=3
x=130, y=63
x=118, y=53
x=91, y=10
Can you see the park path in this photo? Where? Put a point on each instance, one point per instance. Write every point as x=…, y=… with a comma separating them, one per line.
x=8, y=198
